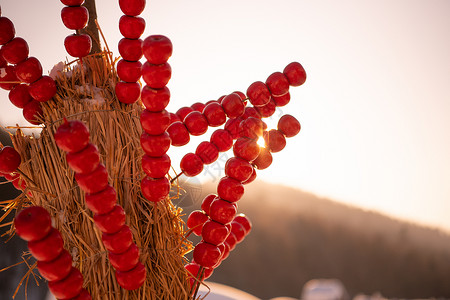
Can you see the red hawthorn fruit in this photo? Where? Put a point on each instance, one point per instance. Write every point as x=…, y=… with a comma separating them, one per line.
x=29, y=70
x=245, y=148
x=157, y=49
x=206, y=255
x=231, y=241
x=72, y=2
x=155, y=99
x=264, y=159
x=129, y=71
x=119, y=241
x=155, y=145
x=230, y=189
x=183, y=112
x=238, y=168
x=32, y=112
x=289, y=126
x=232, y=126
x=84, y=161
x=130, y=50
x=111, y=221
x=214, y=114
x=207, y=152
x=132, y=7
x=56, y=269
x=132, y=279
x=241, y=95
x=19, y=96
x=214, y=232
x=127, y=92
x=74, y=17
x=125, y=261
x=7, y=30
x=282, y=100
x=15, y=51
x=174, y=118
x=156, y=76
x=69, y=287
x=244, y=221
x=43, y=89
x=222, y=211
x=198, y=106
x=225, y=252
x=233, y=105
x=47, y=248
x=258, y=94
x=103, y=201
x=33, y=223
x=274, y=140
x=194, y=268
x=3, y=62
x=155, y=189
x=179, y=135
x=206, y=203
x=251, y=128
x=93, y=182
x=155, y=123
x=295, y=74
x=191, y=164
x=78, y=45
x=72, y=136
x=196, y=123
x=238, y=230
x=251, y=178
x=251, y=112
x=222, y=139
x=278, y=84
x=83, y=295
x=267, y=110
x=156, y=167
x=131, y=27
x=9, y=159
x=196, y=220
x=8, y=74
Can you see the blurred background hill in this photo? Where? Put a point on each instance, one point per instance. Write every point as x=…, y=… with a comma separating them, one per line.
x=298, y=236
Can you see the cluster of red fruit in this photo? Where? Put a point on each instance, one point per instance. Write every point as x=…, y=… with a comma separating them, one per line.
x=54, y=263
x=101, y=198
x=21, y=74
x=75, y=17
x=10, y=161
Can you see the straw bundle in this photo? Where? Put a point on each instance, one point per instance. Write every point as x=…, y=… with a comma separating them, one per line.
x=115, y=129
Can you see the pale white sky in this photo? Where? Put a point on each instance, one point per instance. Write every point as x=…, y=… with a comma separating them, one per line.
x=374, y=110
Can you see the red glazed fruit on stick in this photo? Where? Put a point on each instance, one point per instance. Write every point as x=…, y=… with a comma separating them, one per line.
x=194, y=271
x=155, y=123
x=198, y=106
x=155, y=145
x=157, y=49
x=222, y=211
x=251, y=128
x=48, y=248
x=112, y=221
x=84, y=161
x=9, y=159
x=132, y=279
x=32, y=112
x=183, y=112
x=264, y=159
x=156, y=76
x=8, y=78
x=206, y=203
x=125, y=261
x=245, y=148
x=72, y=2
x=267, y=110
x=75, y=17
x=179, y=134
x=131, y=27
x=282, y=100
x=295, y=74
x=278, y=84
x=33, y=223
x=93, y=182
x=206, y=255
x=238, y=230
x=214, y=114
x=233, y=105
x=244, y=221
x=78, y=45
x=258, y=94
x=129, y=71
x=103, y=201
x=238, y=168
x=132, y=7
x=119, y=241
x=207, y=152
x=56, y=269
x=214, y=233
x=156, y=167
x=29, y=70
x=19, y=96
x=191, y=164
x=130, y=50
x=222, y=139
x=43, y=90
x=127, y=92
x=232, y=126
x=7, y=31
x=196, y=220
x=275, y=140
x=231, y=241
x=72, y=136
x=155, y=189
x=15, y=51
x=196, y=123
x=83, y=295
x=155, y=99
x=251, y=112
x=230, y=189
x=251, y=178
x=289, y=126
x=68, y=287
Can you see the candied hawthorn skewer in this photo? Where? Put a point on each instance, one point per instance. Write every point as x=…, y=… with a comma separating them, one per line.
x=101, y=198
x=75, y=17
x=34, y=225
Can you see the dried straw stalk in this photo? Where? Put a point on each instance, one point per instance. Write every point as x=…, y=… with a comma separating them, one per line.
x=115, y=129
